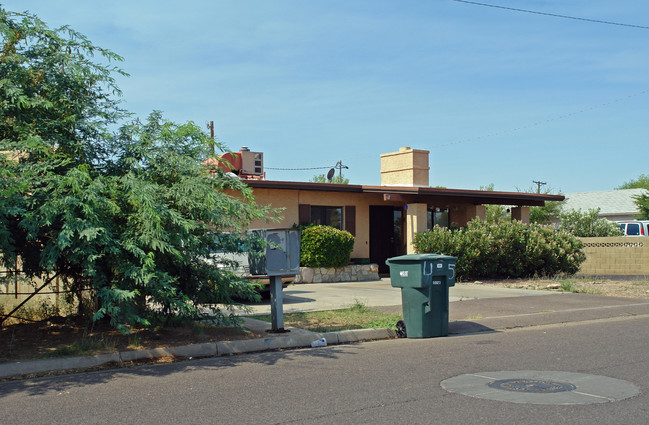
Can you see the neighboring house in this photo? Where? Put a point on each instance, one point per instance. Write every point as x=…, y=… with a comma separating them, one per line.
x=385, y=218
x=614, y=205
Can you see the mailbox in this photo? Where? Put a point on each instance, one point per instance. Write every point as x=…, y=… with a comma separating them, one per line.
x=275, y=253
x=280, y=255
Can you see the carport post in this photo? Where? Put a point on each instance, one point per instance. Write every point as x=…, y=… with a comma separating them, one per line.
x=276, y=304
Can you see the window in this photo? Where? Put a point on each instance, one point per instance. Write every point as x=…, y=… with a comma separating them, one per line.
x=438, y=217
x=633, y=229
x=327, y=216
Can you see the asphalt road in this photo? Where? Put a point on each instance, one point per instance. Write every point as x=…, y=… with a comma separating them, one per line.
x=384, y=382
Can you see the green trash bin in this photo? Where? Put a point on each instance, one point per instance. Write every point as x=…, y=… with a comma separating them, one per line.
x=424, y=280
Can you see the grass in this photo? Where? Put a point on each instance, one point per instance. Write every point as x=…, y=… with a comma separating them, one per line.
x=575, y=286
x=357, y=316
x=85, y=346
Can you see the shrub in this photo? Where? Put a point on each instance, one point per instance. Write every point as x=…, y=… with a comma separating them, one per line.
x=587, y=224
x=325, y=246
x=505, y=250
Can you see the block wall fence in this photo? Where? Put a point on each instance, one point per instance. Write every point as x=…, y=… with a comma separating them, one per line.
x=616, y=256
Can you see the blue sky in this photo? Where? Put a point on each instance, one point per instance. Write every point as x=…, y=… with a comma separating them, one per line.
x=313, y=82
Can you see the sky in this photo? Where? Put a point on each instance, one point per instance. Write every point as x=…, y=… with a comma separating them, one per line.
x=497, y=96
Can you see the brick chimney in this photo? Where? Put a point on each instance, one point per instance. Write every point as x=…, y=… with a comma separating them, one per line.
x=407, y=167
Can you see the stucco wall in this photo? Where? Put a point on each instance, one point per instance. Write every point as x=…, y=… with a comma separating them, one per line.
x=13, y=293
x=290, y=199
x=618, y=256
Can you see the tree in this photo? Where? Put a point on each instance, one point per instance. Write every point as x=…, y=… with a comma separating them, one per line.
x=128, y=220
x=548, y=213
x=337, y=179
x=641, y=201
x=587, y=224
x=494, y=213
x=642, y=182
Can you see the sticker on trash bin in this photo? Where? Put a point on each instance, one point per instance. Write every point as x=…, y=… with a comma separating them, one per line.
x=437, y=282
x=403, y=273
x=440, y=265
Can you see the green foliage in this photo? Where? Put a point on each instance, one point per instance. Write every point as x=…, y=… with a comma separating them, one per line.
x=504, y=250
x=587, y=224
x=494, y=213
x=642, y=182
x=325, y=246
x=337, y=179
x=85, y=346
x=126, y=219
x=357, y=316
x=642, y=202
x=548, y=213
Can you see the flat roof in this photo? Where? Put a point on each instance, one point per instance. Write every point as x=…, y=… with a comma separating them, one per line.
x=410, y=194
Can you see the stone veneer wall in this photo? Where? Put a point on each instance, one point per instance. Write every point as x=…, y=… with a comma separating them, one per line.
x=616, y=256
x=353, y=273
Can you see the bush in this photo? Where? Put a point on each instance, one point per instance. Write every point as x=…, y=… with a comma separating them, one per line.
x=324, y=246
x=587, y=224
x=505, y=250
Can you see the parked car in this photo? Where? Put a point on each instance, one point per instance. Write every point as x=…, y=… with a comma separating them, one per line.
x=634, y=227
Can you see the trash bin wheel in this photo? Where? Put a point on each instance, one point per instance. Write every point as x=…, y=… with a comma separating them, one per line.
x=401, y=329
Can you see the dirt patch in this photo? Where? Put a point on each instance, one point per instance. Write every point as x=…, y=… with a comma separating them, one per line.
x=611, y=288
x=60, y=338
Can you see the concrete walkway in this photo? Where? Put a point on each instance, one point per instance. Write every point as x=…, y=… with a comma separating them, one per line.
x=329, y=296
x=472, y=309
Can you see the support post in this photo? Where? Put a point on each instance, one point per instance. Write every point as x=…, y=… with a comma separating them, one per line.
x=276, y=304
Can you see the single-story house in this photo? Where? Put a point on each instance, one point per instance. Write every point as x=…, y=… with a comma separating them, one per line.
x=384, y=218
x=614, y=205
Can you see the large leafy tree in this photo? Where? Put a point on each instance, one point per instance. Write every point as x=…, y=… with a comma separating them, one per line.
x=642, y=201
x=128, y=220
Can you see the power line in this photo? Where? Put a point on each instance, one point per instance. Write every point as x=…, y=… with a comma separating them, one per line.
x=297, y=169
x=552, y=14
x=537, y=123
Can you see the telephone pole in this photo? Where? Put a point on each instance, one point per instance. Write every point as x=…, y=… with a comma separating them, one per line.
x=340, y=167
x=538, y=185
x=210, y=126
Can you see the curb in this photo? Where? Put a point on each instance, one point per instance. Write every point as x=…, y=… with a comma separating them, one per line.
x=301, y=339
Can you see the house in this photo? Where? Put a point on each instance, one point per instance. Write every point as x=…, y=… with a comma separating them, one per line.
x=614, y=205
x=384, y=219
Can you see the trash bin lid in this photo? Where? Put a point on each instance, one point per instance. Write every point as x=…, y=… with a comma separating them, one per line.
x=420, y=257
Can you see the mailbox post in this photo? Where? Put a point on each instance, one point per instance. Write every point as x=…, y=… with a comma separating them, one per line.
x=281, y=258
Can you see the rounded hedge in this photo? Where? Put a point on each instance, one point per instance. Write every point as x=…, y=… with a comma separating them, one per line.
x=505, y=250
x=325, y=246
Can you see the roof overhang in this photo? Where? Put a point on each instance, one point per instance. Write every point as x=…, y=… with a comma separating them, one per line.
x=408, y=194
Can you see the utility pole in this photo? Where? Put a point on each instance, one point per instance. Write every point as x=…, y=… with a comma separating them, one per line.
x=210, y=126
x=340, y=167
x=538, y=185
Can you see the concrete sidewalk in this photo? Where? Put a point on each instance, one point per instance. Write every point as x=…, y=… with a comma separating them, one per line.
x=329, y=296
x=472, y=309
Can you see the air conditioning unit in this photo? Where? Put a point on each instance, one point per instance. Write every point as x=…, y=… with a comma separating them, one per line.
x=252, y=163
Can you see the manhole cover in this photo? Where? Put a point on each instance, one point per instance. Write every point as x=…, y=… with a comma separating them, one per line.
x=541, y=387
x=531, y=386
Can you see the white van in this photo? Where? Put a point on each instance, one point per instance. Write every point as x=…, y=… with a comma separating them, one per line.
x=634, y=227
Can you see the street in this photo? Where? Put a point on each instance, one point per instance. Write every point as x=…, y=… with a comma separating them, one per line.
x=392, y=381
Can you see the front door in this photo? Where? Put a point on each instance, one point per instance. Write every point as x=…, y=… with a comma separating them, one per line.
x=386, y=235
